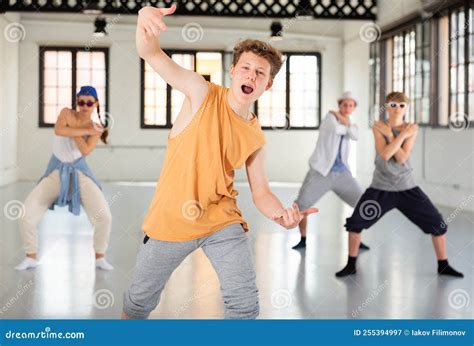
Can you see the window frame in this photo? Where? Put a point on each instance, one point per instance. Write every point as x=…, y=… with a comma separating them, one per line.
x=287, y=93
x=411, y=27
x=169, y=52
x=467, y=62
x=436, y=73
x=74, y=50
x=375, y=84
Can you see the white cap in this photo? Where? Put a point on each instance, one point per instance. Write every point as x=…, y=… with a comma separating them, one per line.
x=346, y=96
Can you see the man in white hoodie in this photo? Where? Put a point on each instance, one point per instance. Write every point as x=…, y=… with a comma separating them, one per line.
x=328, y=166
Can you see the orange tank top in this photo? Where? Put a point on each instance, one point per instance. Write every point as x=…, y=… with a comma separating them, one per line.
x=195, y=194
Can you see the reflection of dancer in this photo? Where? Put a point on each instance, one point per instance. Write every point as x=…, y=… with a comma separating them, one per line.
x=328, y=166
x=68, y=180
x=393, y=186
x=194, y=205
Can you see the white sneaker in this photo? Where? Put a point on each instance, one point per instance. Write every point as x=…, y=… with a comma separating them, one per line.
x=27, y=263
x=102, y=263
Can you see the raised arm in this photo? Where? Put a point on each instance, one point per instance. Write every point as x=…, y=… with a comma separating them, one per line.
x=263, y=198
x=62, y=126
x=149, y=26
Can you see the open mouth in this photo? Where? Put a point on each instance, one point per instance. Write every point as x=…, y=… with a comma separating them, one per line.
x=246, y=89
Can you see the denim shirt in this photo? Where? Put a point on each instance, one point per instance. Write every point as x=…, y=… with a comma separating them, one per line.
x=339, y=165
x=68, y=174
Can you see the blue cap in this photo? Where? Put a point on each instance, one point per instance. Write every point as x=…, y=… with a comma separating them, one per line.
x=88, y=91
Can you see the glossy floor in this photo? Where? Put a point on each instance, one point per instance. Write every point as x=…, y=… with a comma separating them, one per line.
x=396, y=278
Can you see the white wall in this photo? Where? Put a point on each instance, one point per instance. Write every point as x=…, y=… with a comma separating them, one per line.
x=389, y=11
x=8, y=98
x=142, y=158
x=442, y=158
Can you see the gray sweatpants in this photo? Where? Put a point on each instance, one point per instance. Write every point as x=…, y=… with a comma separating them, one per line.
x=315, y=185
x=229, y=253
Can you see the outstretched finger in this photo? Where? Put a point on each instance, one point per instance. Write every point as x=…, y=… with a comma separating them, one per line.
x=296, y=212
x=169, y=10
x=310, y=211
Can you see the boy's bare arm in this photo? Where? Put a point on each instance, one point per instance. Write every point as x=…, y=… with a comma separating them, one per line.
x=399, y=147
x=263, y=198
x=386, y=150
x=150, y=24
x=402, y=155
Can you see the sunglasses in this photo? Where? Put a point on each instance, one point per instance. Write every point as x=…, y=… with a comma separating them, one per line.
x=84, y=103
x=396, y=104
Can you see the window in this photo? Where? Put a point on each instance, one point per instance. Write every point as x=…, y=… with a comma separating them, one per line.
x=63, y=70
x=293, y=102
x=421, y=94
x=461, y=63
x=403, y=72
x=470, y=77
x=374, y=82
x=271, y=106
x=432, y=61
x=161, y=103
x=304, y=94
x=276, y=108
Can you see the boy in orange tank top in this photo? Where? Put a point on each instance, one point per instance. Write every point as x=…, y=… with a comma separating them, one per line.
x=224, y=134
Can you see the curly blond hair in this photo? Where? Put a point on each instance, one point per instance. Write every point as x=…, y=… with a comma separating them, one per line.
x=261, y=49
